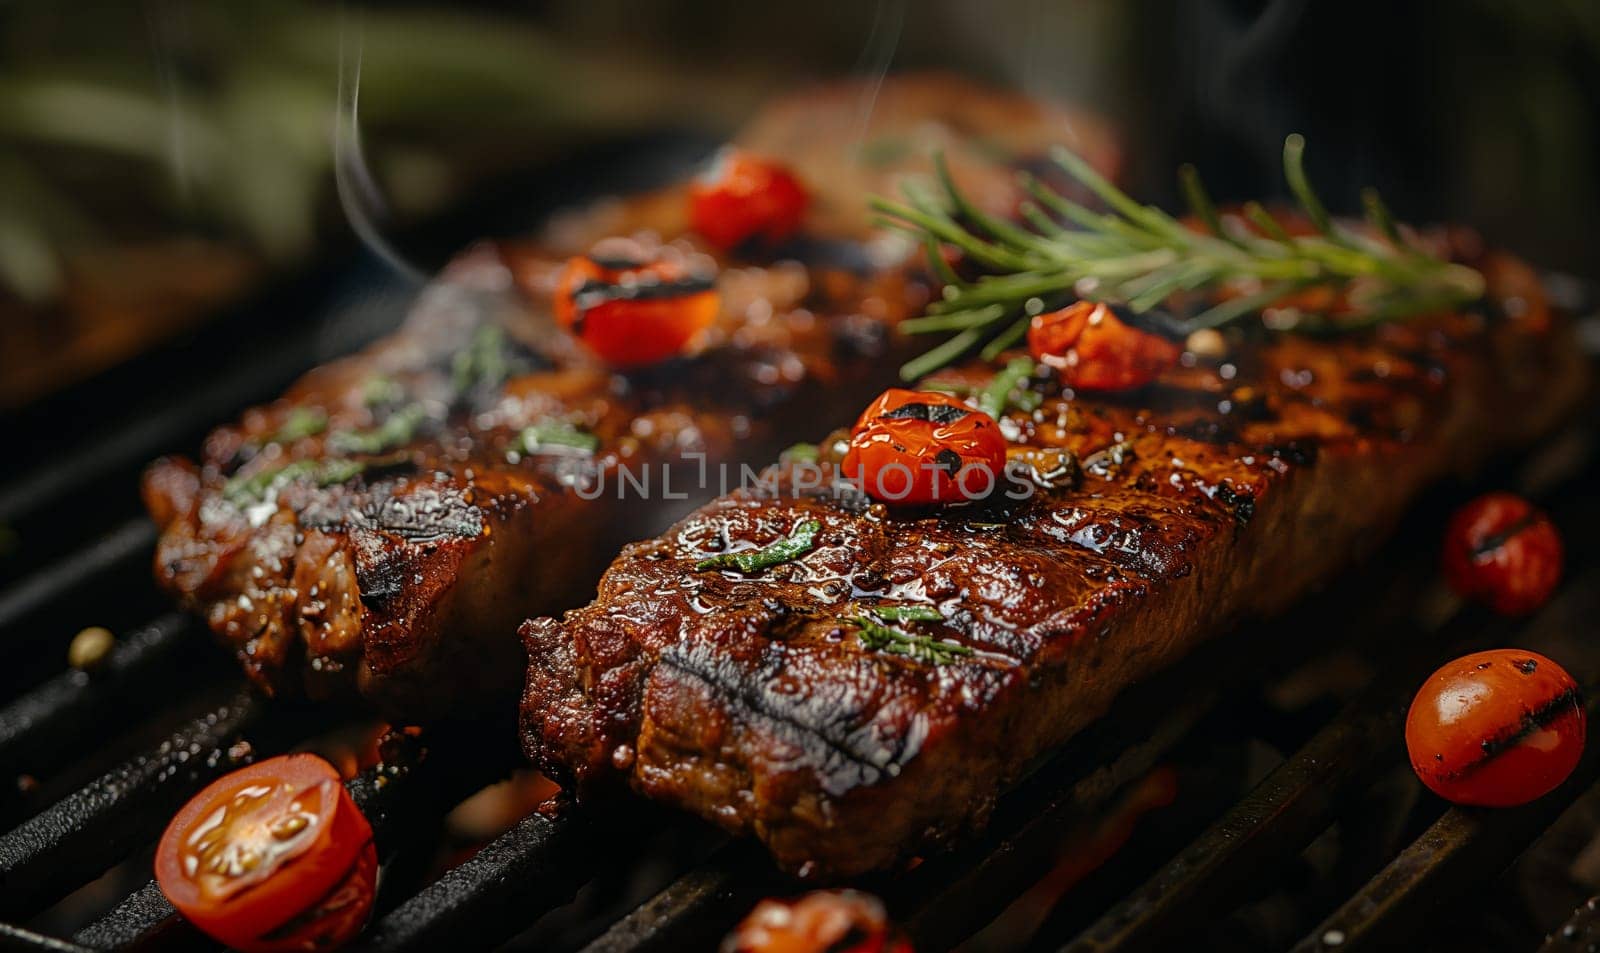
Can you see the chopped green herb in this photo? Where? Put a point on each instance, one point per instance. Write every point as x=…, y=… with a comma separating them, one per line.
x=398, y=429
x=1006, y=390
x=801, y=453
x=483, y=363
x=249, y=489
x=908, y=613
x=381, y=390
x=302, y=422
x=555, y=433
x=923, y=648
x=800, y=541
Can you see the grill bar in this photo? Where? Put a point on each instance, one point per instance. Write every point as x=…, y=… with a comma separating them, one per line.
x=77, y=838
x=1298, y=799
x=134, y=679
x=116, y=553
x=417, y=781
x=686, y=914
x=14, y=937
x=143, y=918
x=537, y=865
x=1463, y=849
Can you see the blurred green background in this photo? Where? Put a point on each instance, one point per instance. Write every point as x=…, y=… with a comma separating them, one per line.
x=160, y=158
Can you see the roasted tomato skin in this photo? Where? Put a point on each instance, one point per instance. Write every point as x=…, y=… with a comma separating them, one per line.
x=1503, y=552
x=1496, y=728
x=272, y=857
x=921, y=447
x=824, y=921
x=745, y=198
x=632, y=314
x=1093, y=349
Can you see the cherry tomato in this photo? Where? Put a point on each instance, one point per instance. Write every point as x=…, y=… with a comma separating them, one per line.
x=1501, y=551
x=1093, y=349
x=824, y=921
x=742, y=198
x=632, y=313
x=1496, y=728
x=272, y=857
x=921, y=447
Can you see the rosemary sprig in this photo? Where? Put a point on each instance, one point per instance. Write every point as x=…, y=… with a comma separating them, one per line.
x=1140, y=256
x=801, y=540
x=922, y=648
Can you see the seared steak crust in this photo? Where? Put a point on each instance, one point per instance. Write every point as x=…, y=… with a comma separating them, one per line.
x=405, y=581
x=396, y=566
x=1226, y=489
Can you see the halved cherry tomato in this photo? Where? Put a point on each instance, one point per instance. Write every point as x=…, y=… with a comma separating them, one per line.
x=1496, y=728
x=1501, y=551
x=743, y=197
x=632, y=313
x=824, y=921
x=272, y=857
x=922, y=447
x=1093, y=349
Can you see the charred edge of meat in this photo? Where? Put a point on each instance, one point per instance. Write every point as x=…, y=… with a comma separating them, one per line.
x=1243, y=505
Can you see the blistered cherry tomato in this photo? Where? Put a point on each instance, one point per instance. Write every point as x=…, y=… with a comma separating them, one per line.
x=1501, y=551
x=1093, y=349
x=921, y=447
x=1496, y=728
x=743, y=198
x=632, y=313
x=272, y=857
x=825, y=921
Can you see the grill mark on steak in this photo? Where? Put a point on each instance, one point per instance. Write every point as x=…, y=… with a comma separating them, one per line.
x=862, y=766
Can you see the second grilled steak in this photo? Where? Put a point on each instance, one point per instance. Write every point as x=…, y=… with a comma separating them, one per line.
x=382, y=529
x=760, y=701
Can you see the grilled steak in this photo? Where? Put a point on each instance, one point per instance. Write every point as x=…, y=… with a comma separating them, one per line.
x=383, y=528
x=762, y=701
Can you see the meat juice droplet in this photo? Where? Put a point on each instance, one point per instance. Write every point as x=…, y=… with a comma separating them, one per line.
x=622, y=757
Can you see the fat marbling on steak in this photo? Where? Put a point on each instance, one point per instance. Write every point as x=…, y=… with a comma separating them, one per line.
x=1225, y=489
x=381, y=530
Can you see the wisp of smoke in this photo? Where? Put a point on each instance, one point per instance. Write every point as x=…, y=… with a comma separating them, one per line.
x=359, y=194
x=888, y=17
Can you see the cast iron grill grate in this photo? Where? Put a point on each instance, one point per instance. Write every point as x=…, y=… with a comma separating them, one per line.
x=101, y=761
